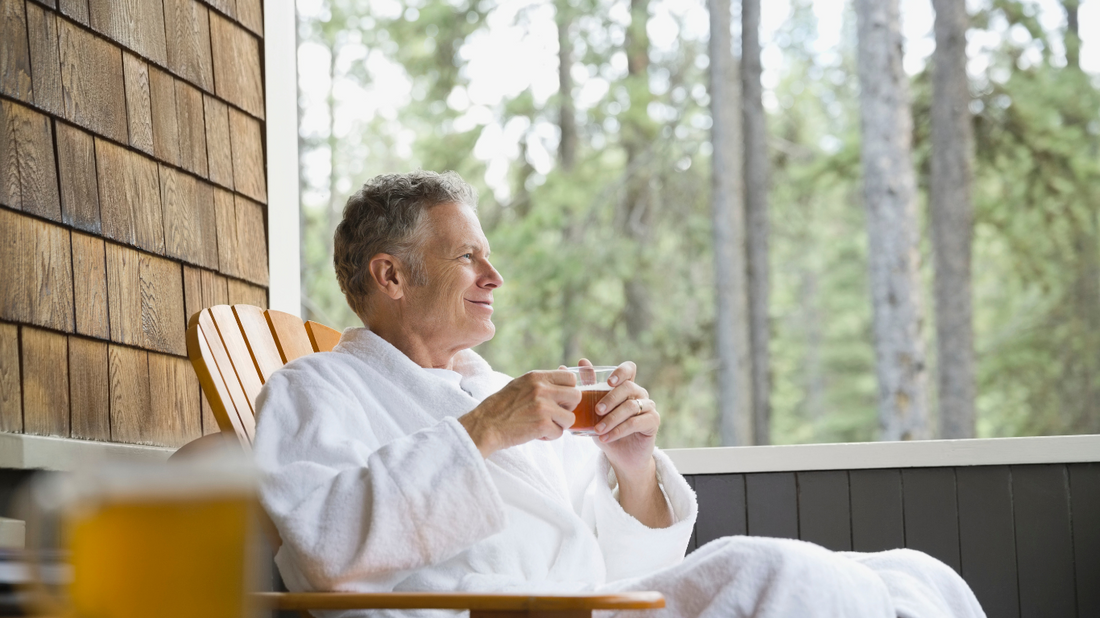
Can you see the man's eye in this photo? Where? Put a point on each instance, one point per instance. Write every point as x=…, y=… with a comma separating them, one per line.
x=468, y=256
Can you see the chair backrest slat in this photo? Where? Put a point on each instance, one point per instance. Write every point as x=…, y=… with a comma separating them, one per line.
x=323, y=338
x=227, y=398
x=237, y=350
x=261, y=343
x=290, y=336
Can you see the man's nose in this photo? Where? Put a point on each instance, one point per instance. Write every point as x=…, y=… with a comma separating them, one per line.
x=492, y=278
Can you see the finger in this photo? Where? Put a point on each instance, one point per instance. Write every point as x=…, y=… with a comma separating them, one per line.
x=584, y=362
x=563, y=418
x=619, y=394
x=560, y=377
x=620, y=414
x=622, y=373
x=644, y=424
x=555, y=429
x=566, y=397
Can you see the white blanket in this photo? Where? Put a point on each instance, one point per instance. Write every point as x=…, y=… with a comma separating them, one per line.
x=374, y=486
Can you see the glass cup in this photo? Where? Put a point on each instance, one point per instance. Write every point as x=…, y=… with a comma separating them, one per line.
x=592, y=382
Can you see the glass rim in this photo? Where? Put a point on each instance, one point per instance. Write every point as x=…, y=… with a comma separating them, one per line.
x=596, y=368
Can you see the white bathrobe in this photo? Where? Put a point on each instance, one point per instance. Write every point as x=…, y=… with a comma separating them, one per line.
x=374, y=486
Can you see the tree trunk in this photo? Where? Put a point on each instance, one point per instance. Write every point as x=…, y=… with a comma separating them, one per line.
x=756, y=219
x=1073, y=33
x=727, y=208
x=567, y=155
x=890, y=196
x=952, y=221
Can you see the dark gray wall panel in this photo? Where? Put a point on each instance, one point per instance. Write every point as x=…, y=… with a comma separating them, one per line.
x=877, y=517
x=721, y=506
x=824, y=510
x=1044, y=542
x=773, y=504
x=932, y=513
x=987, y=541
x=1084, y=482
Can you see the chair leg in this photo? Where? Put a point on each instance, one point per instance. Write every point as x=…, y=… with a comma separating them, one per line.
x=568, y=613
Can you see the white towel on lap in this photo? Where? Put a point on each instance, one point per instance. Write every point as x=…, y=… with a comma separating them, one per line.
x=374, y=486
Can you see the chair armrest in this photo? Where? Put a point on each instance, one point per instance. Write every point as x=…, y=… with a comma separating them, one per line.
x=458, y=600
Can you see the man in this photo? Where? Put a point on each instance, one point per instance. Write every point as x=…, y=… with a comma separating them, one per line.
x=401, y=461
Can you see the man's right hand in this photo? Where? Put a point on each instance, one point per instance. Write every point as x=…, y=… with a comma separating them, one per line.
x=536, y=405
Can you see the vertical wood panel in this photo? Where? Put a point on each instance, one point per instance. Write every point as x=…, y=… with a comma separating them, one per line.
x=225, y=212
x=192, y=128
x=90, y=286
x=877, y=522
x=248, y=156
x=174, y=393
x=187, y=23
x=166, y=131
x=1084, y=480
x=91, y=79
x=79, y=187
x=11, y=383
x=824, y=509
x=45, y=382
x=138, y=102
x=15, y=55
x=246, y=293
x=932, y=513
x=251, y=240
x=236, y=55
x=218, y=145
x=145, y=300
x=189, y=223
x=721, y=507
x=45, y=62
x=89, y=380
x=1044, y=544
x=75, y=9
x=137, y=24
x=987, y=540
x=37, y=276
x=31, y=137
x=129, y=197
x=772, y=499
x=130, y=399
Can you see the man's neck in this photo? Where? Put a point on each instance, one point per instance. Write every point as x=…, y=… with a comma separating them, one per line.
x=411, y=344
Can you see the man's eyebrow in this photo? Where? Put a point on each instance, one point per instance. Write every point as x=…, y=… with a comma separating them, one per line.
x=472, y=247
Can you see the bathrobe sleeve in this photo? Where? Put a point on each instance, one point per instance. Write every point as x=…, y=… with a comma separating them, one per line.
x=356, y=514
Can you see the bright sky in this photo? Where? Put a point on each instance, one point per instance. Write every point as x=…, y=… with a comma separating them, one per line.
x=519, y=51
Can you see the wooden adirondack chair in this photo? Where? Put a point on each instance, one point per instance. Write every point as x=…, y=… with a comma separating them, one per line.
x=234, y=350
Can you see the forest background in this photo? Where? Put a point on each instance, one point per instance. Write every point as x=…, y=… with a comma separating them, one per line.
x=605, y=241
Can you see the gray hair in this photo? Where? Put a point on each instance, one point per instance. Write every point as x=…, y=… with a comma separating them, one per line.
x=384, y=216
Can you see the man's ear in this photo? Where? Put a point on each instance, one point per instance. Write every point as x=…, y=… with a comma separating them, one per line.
x=386, y=273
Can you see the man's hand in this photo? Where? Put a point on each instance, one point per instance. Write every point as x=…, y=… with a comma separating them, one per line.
x=536, y=405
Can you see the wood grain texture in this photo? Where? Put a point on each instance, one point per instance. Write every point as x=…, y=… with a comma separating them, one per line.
x=932, y=513
x=225, y=213
x=226, y=7
x=192, y=128
x=174, y=392
x=824, y=509
x=323, y=338
x=187, y=24
x=90, y=286
x=45, y=62
x=37, y=276
x=92, y=82
x=189, y=223
x=1044, y=543
x=241, y=292
x=166, y=131
x=248, y=156
x=30, y=138
x=50, y=3
x=261, y=343
x=76, y=170
x=721, y=506
x=772, y=499
x=877, y=514
x=129, y=391
x=250, y=14
x=45, y=382
x=145, y=300
x=251, y=240
x=987, y=540
x=293, y=342
x=89, y=381
x=203, y=288
x=215, y=370
x=137, y=24
x=129, y=197
x=1084, y=481
x=75, y=9
x=139, y=109
x=10, y=194
x=236, y=65
x=218, y=146
x=236, y=348
x=11, y=383
x=15, y=55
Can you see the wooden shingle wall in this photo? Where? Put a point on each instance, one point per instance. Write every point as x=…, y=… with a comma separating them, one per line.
x=132, y=194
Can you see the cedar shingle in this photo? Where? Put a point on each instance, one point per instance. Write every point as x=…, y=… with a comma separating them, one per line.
x=250, y=14
x=45, y=63
x=145, y=300
x=166, y=132
x=189, y=223
x=15, y=55
x=248, y=156
x=129, y=197
x=187, y=23
x=218, y=145
x=229, y=261
x=236, y=65
x=45, y=382
x=91, y=79
x=138, y=102
x=75, y=9
x=174, y=395
x=192, y=128
x=28, y=137
x=129, y=392
x=37, y=276
x=89, y=379
x=90, y=286
x=251, y=240
x=11, y=385
x=79, y=187
x=246, y=293
x=137, y=24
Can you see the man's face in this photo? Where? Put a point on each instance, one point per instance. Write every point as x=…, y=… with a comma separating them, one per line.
x=454, y=309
